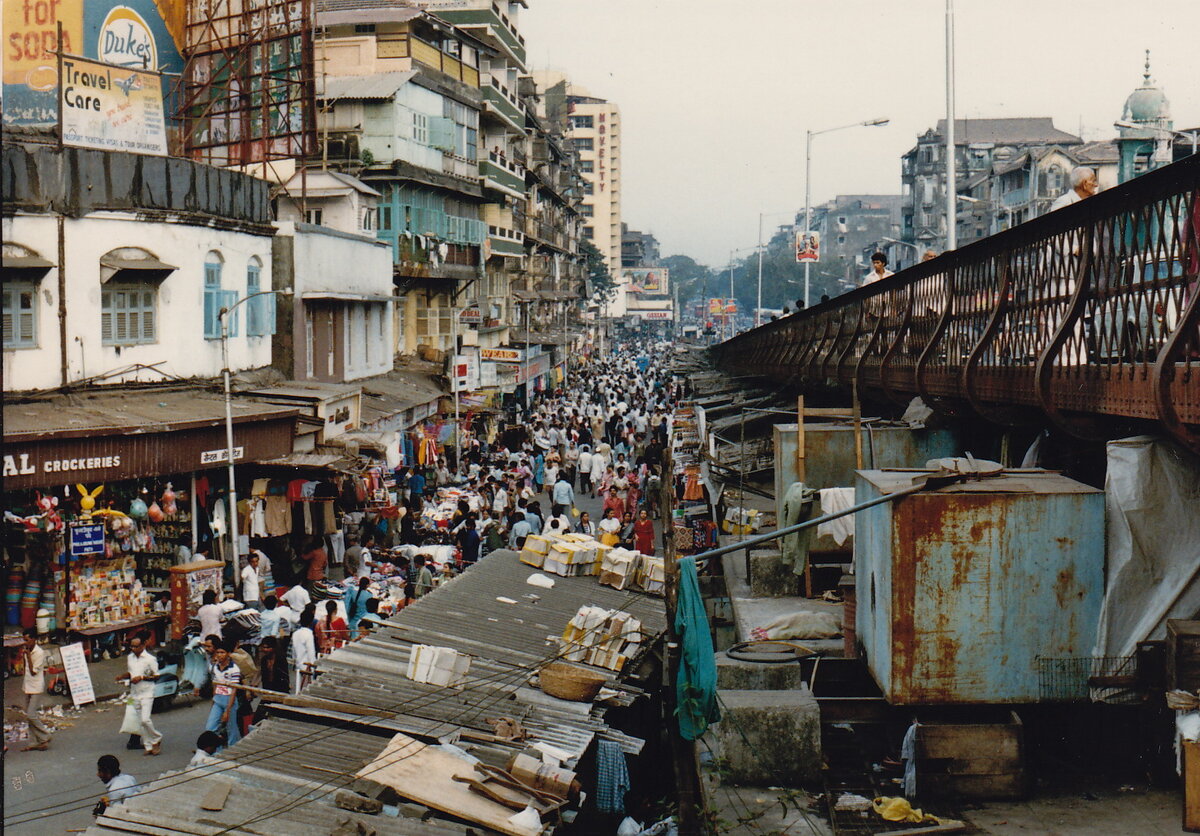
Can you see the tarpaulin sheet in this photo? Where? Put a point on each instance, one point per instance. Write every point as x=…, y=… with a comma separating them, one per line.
x=1152, y=493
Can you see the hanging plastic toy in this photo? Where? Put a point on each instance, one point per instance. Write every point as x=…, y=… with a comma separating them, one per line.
x=168, y=501
x=137, y=509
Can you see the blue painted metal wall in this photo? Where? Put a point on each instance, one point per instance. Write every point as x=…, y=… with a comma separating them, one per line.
x=960, y=591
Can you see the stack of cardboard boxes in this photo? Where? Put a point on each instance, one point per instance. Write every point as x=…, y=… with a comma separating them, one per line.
x=601, y=637
x=437, y=665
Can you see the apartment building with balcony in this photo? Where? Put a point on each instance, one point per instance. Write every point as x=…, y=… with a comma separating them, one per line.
x=400, y=109
x=980, y=144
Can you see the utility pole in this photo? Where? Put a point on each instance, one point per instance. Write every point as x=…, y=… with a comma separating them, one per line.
x=951, y=163
x=758, y=308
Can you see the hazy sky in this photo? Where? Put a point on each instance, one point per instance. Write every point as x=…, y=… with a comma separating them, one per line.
x=716, y=97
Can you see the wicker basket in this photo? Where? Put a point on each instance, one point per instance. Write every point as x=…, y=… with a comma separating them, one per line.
x=570, y=682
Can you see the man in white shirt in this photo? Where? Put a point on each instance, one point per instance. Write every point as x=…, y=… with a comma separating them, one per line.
x=585, y=469
x=119, y=785
x=297, y=598
x=500, y=500
x=142, y=672
x=209, y=614
x=1083, y=184
x=34, y=688
x=878, y=269
x=251, y=588
x=304, y=651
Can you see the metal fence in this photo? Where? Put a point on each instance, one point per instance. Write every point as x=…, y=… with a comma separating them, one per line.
x=1087, y=313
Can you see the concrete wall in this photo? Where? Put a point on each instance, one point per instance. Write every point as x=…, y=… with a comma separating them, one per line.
x=353, y=266
x=180, y=347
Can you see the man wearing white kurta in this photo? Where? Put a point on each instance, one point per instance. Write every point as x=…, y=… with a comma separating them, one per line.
x=142, y=671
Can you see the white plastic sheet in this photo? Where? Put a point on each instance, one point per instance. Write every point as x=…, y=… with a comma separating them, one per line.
x=1152, y=493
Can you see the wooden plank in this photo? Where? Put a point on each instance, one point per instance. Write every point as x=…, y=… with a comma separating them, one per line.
x=215, y=798
x=429, y=776
x=974, y=786
x=975, y=744
x=800, y=453
x=1191, y=786
x=969, y=766
x=947, y=826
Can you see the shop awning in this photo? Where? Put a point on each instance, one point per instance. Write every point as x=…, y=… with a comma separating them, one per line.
x=101, y=436
x=338, y=296
x=327, y=461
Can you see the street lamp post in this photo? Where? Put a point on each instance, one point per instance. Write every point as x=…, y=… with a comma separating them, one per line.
x=223, y=316
x=951, y=162
x=870, y=123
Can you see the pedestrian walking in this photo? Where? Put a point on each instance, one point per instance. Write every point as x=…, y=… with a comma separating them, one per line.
x=643, y=533
x=33, y=688
x=226, y=676
x=142, y=672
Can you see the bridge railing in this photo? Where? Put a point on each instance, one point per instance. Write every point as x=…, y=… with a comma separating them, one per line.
x=1088, y=312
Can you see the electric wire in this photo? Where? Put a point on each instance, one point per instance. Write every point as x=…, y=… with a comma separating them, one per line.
x=504, y=677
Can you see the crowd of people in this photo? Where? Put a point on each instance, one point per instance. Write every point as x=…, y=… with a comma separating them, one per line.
x=603, y=437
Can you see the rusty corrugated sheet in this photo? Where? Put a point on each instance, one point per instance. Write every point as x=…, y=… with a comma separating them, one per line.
x=961, y=590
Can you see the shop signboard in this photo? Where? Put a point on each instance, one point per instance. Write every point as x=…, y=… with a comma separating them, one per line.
x=656, y=316
x=79, y=679
x=504, y=355
x=221, y=455
x=112, y=108
x=32, y=460
x=489, y=375
x=471, y=316
x=87, y=538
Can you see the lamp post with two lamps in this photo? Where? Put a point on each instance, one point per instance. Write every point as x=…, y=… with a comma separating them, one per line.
x=869, y=123
x=223, y=316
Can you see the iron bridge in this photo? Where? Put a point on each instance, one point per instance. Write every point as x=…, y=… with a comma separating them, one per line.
x=1088, y=317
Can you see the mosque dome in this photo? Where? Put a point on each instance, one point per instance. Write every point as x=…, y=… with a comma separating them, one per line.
x=1147, y=103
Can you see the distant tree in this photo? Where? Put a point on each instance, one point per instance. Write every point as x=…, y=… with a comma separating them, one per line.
x=604, y=287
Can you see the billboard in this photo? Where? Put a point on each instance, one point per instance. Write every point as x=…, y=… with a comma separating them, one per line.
x=648, y=280
x=716, y=306
x=808, y=247
x=112, y=109
x=137, y=34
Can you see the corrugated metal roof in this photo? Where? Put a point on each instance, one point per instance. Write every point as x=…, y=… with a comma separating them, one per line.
x=302, y=756
x=381, y=86
x=123, y=411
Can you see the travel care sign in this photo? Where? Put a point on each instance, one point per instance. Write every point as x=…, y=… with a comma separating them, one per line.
x=111, y=108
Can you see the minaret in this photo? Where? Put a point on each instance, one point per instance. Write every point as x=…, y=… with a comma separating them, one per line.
x=1146, y=143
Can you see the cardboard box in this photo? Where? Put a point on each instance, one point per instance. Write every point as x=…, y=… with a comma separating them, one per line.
x=432, y=665
x=532, y=558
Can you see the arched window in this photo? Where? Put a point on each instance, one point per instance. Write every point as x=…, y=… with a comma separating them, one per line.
x=260, y=310
x=1052, y=183
x=215, y=298
x=129, y=278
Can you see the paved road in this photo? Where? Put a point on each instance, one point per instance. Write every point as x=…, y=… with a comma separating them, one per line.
x=66, y=772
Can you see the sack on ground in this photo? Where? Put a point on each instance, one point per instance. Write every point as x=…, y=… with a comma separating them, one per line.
x=806, y=624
